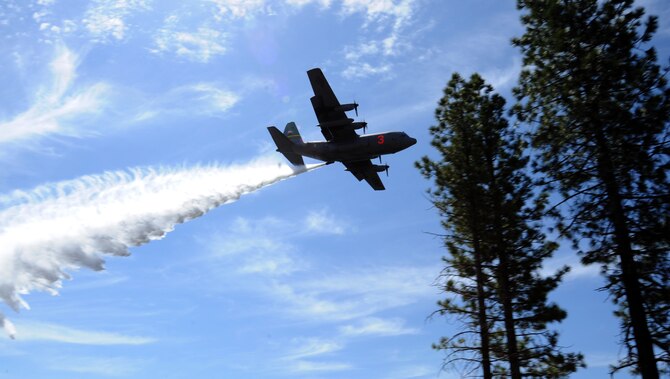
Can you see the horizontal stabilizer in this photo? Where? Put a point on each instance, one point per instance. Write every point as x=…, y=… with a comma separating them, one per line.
x=285, y=146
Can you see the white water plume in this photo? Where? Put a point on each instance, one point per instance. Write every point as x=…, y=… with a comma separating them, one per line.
x=57, y=228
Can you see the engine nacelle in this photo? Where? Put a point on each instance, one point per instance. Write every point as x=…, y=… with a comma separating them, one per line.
x=332, y=124
x=347, y=107
x=380, y=168
x=359, y=125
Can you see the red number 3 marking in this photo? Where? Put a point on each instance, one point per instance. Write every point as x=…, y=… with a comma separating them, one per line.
x=380, y=140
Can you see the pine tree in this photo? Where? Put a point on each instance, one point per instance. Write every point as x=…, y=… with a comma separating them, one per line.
x=600, y=109
x=492, y=219
x=461, y=202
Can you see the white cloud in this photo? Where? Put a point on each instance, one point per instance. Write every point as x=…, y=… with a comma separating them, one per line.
x=262, y=246
x=354, y=53
x=97, y=282
x=37, y=331
x=206, y=40
x=55, y=108
x=295, y=361
x=363, y=70
x=203, y=99
x=311, y=347
x=311, y=366
x=601, y=359
x=300, y=3
x=373, y=326
x=237, y=8
x=107, y=18
x=503, y=78
x=354, y=294
x=577, y=269
x=371, y=56
x=108, y=366
x=270, y=264
x=253, y=248
x=38, y=16
x=63, y=68
x=215, y=98
x=261, y=255
x=199, y=46
x=417, y=371
x=323, y=222
x=375, y=10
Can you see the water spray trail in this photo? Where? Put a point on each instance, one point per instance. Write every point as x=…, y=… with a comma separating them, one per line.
x=60, y=227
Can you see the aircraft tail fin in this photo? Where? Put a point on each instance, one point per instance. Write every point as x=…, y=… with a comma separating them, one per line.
x=286, y=145
x=291, y=131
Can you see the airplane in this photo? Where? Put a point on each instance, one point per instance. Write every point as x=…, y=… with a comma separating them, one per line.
x=342, y=143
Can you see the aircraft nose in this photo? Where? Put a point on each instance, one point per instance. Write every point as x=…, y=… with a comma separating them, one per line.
x=412, y=141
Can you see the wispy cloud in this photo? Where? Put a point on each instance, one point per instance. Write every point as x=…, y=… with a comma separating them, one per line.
x=106, y=19
x=311, y=347
x=205, y=40
x=323, y=222
x=364, y=69
x=97, y=283
x=392, y=18
x=296, y=361
x=37, y=331
x=356, y=294
x=302, y=366
x=200, y=45
x=251, y=246
x=601, y=359
x=212, y=97
x=373, y=326
x=57, y=108
x=263, y=246
x=52, y=28
x=267, y=247
x=300, y=3
x=237, y=8
x=204, y=99
x=577, y=269
x=503, y=78
x=418, y=371
x=108, y=366
x=398, y=11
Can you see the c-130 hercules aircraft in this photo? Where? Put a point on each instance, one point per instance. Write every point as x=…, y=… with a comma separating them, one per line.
x=342, y=143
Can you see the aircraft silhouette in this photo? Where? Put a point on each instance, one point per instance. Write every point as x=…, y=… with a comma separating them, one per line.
x=342, y=143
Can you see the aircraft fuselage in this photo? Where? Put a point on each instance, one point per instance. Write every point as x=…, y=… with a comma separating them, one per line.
x=367, y=146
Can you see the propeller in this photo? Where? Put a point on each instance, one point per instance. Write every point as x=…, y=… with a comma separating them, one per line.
x=356, y=110
x=387, y=170
x=380, y=159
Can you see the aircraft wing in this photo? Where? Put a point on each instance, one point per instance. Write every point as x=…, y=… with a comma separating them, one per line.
x=326, y=106
x=365, y=170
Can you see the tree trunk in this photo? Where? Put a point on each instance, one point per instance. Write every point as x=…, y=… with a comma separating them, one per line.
x=503, y=275
x=483, y=322
x=485, y=349
x=629, y=276
x=510, y=329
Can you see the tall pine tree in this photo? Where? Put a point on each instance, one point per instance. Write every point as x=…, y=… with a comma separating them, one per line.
x=600, y=109
x=492, y=219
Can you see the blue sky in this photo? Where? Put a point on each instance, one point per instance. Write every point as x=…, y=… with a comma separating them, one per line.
x=316, y=276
